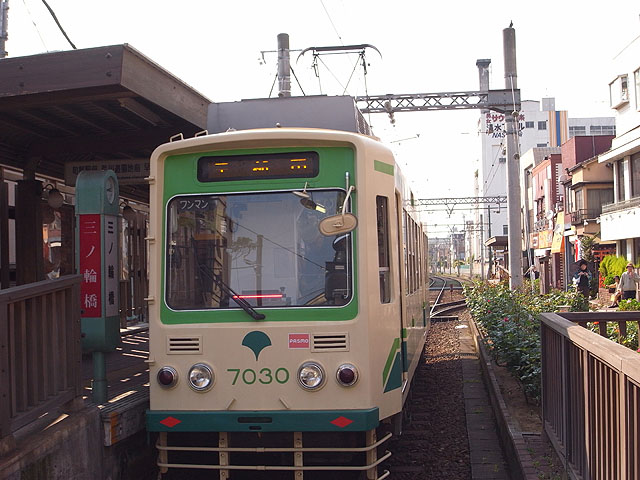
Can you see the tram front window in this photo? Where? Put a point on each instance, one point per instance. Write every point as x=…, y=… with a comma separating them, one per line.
x=264, y=248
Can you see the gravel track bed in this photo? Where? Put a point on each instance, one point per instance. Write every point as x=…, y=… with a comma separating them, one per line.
x=434, y=446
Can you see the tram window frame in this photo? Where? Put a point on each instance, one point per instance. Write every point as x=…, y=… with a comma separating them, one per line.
x=384, y=264
x=413, y=256
x=405, y=245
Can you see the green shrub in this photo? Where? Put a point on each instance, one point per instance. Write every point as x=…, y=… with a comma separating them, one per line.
x=509, y=321
x=613, y=332
x=612, y=265
x=629, y=304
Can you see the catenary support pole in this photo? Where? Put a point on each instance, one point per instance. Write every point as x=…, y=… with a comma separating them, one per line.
x=284, y=66
x=481, y=247
x=4, y=26
x=513, y=163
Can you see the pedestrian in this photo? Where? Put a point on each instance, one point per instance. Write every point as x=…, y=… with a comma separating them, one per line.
x=532, y=269
x=582, y=280
x=615, y=292
x=628, y=282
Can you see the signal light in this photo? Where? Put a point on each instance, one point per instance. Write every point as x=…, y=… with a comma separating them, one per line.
x=167, y=377
x=347, y=375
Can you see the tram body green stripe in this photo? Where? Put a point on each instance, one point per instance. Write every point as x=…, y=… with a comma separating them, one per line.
x=390, y=358
x=382, y=167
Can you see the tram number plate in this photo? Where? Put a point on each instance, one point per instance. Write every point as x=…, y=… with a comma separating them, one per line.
x=265, y=376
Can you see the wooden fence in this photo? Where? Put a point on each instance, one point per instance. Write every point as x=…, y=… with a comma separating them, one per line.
x=40, y=350
x=591, y=397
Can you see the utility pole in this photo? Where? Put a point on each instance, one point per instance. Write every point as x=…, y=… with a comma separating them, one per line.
x=482, y=247
x=284, y=66
x=4, y=27
x=513, y=162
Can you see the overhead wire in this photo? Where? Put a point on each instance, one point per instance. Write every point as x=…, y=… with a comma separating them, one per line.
x=55, y=18
x=273, y=84
x=331, y=21
x=329, y=70
x=34, y=25
x=297, y=81
x=335, y=29
x=493, y=164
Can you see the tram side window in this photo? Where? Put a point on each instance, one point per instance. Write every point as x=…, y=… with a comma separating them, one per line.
x=406, y=251
x=382, y=215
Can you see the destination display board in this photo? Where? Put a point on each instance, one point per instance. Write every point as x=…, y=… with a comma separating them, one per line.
x=259, y=166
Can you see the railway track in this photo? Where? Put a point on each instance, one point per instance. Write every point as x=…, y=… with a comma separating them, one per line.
x=434, y=443
x=441, y=285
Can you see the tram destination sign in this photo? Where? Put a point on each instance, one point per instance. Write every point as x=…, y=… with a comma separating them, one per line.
x=128, y=170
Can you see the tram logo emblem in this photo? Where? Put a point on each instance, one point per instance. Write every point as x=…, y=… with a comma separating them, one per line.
x=256, y=341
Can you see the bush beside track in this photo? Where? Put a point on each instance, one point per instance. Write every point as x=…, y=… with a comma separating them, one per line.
x=508, y=319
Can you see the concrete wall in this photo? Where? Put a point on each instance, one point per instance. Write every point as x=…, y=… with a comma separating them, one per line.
x=72, y=449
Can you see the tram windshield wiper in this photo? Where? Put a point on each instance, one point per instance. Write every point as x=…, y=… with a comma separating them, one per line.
x=242, y=303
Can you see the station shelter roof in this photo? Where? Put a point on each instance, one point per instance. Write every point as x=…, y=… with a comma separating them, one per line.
x=497, y=242
x=103, y=103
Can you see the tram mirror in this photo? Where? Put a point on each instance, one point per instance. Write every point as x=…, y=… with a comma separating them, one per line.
x=338, y=224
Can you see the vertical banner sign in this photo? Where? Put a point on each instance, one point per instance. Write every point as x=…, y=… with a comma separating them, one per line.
x=90, y=265
x=111, y=264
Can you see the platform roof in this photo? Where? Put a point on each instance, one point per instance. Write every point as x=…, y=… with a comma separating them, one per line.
x=101, y=103
x=499, y=241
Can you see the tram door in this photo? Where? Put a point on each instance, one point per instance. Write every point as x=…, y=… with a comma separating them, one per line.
x=402, y=274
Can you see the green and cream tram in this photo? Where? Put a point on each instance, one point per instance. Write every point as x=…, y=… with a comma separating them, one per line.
x=288, y=285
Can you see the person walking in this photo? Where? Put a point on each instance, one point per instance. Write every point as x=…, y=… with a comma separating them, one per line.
x=628, y=283
x=582, y=280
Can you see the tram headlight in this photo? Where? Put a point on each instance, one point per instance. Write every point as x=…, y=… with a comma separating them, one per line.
x=167, y=377
x=347, y=375
x=311, y=376
x=201, y=377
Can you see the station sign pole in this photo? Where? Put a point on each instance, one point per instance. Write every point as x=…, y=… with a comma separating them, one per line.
x=98, y=254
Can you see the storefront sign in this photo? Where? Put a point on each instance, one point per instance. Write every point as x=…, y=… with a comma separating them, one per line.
x=557, y=245
x=545, y=238
x=496, y=127
x=128, y=171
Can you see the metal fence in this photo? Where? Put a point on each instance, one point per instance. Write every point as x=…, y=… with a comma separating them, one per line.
x=134, y=289
x=40, y=350
x=591, y=398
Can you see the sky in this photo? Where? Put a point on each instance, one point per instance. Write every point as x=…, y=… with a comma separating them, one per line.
x=563, y=50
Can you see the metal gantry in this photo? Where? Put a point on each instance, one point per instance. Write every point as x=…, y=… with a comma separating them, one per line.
x=504, y=101
x=497, y=199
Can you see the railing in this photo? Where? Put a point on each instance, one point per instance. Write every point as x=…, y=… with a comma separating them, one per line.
x=591, y=397
x=40, y=350
x=614, y=207
x=579, y=216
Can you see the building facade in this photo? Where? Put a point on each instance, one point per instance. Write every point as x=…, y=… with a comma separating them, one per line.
x=620, y=221
x=540, y=127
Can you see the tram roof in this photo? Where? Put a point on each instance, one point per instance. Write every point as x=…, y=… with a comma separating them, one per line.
x=103, y=103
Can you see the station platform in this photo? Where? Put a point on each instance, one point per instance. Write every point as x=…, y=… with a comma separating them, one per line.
x=123, y=414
